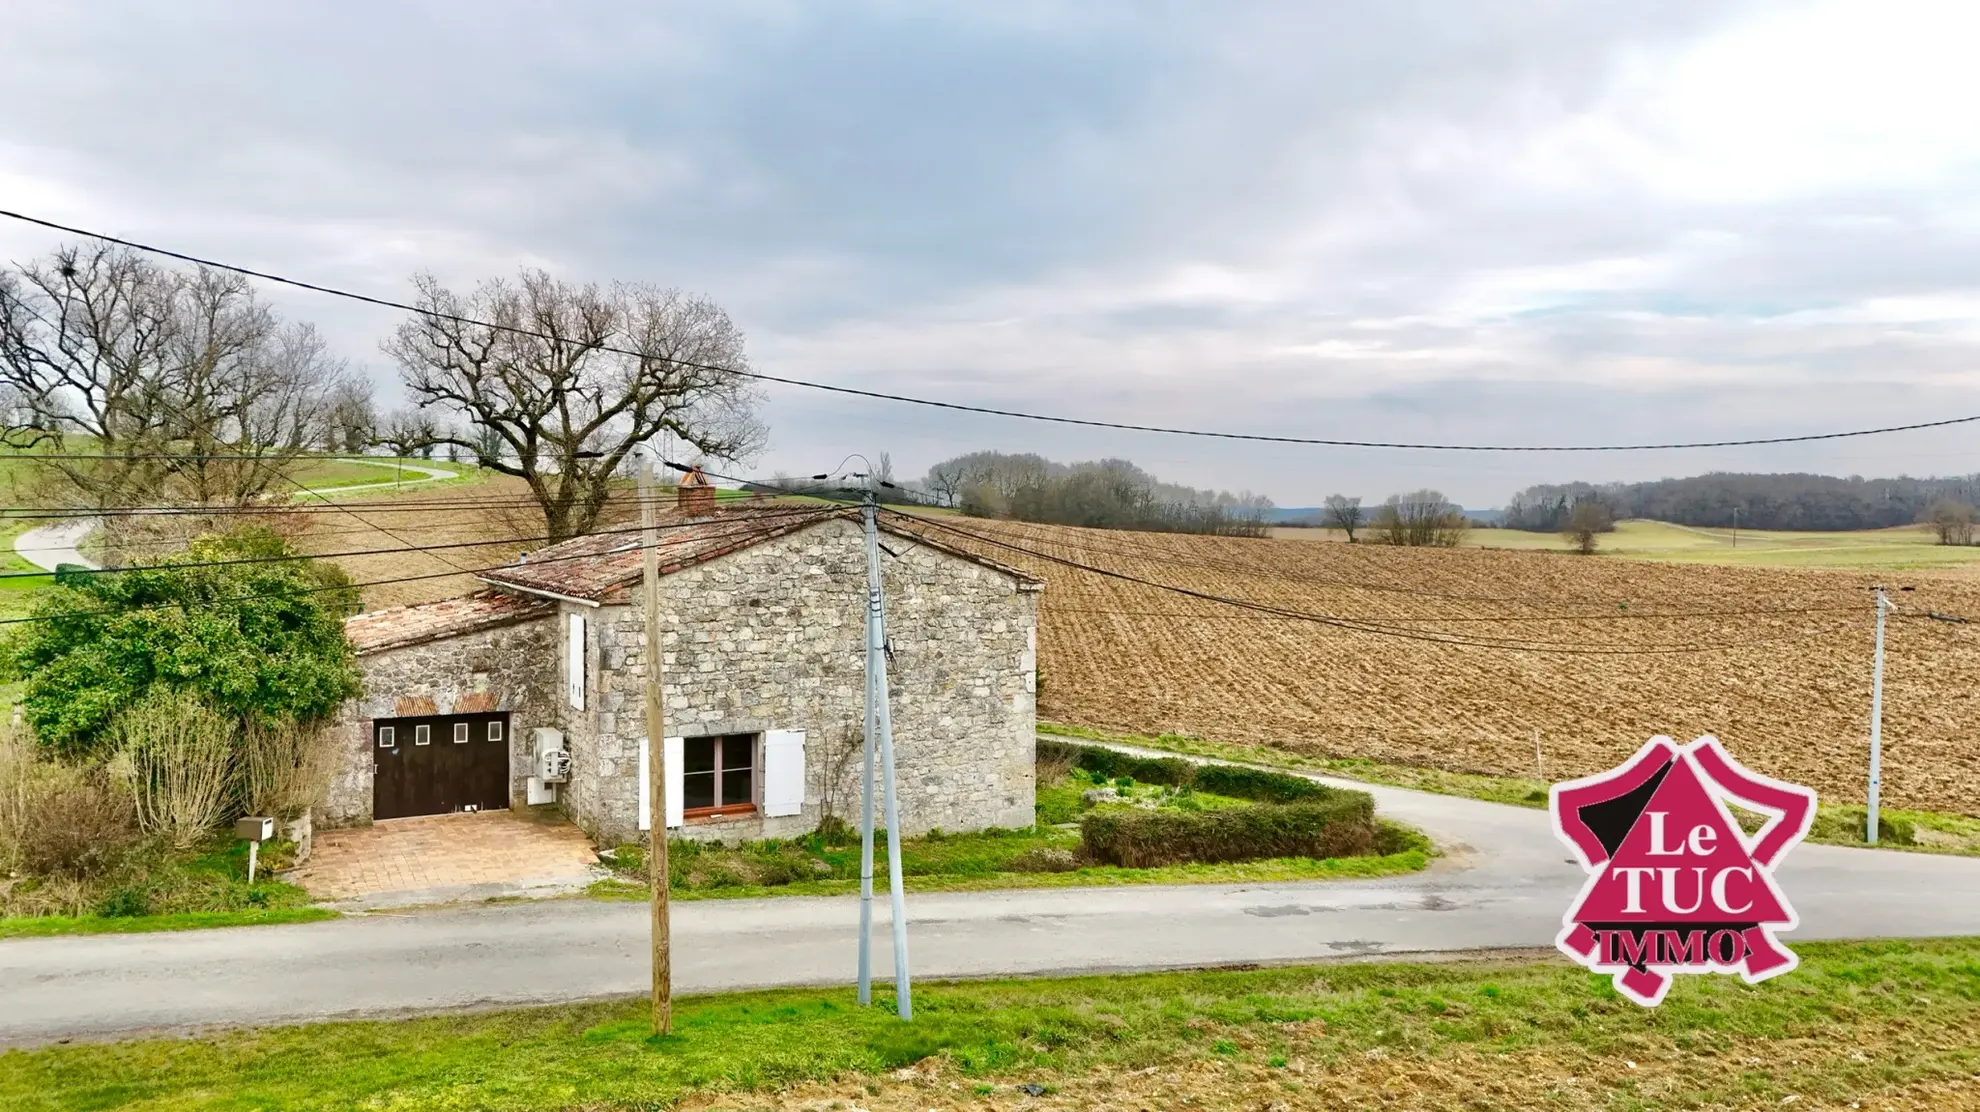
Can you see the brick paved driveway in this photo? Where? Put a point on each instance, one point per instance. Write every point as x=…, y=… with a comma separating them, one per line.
x=431, y=852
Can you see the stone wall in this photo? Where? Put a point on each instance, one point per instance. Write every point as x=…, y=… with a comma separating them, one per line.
x=772, y=638
x=509, y=668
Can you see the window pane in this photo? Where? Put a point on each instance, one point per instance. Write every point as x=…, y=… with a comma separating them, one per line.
x=422, y=735
x=698, y=754
x=737, y=751
x=385, y=737
x=735, y=786
x=460, y=733
x=494, y=731
x=697, y=790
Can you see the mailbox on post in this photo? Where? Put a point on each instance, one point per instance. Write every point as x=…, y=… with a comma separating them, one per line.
x=255, y=831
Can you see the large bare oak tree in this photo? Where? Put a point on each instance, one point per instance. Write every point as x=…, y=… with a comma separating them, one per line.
x=143, y=384
x=561, y=382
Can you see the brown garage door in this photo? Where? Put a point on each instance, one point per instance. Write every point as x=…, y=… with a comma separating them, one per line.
x=439, y=764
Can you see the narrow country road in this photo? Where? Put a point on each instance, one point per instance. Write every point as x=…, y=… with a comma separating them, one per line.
x=49, y=546
x=1504, y=883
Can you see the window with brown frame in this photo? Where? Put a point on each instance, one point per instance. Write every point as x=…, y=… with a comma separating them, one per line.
x=718, y=775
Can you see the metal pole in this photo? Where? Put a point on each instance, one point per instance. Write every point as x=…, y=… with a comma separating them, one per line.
x=1538, y=766
x=1876, y=725
x=876, y=670
x=873, y=649
x=656, y=762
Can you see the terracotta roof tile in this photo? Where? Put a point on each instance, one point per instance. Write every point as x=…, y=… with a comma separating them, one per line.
x=396, y=627
x=597, y=567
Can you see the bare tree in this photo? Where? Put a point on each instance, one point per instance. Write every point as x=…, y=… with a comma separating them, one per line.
x=1587, y=521
x=1953, y=521
x=183, y=387
x=351, y=424
x=1343, y=513
x=568, y=379
x=945, y=481
x=1423, y=518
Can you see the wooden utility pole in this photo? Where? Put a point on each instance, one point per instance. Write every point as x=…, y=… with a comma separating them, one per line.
x=656, y=762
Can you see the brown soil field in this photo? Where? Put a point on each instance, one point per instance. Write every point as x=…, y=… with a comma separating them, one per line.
x=1597, y=654
x=1449, y=658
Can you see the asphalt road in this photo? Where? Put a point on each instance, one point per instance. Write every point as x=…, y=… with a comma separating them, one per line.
x=1505, y=883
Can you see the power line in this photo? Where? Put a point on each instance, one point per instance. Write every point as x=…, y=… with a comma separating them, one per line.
x=407, y=547
x=1506, y=644
x=961, y=407
x=252, y=595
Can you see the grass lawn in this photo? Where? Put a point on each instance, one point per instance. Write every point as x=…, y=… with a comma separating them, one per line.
x=981, y=861
x=323, y=474
x=1855, y=1022
x=43, y=926
x=1841, y=825
x=1901, y=548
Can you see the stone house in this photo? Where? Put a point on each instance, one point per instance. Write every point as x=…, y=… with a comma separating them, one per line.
x=529, y=692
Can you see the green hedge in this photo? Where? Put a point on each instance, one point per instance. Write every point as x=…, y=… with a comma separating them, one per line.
x=1340, y=826
x=1241, y=783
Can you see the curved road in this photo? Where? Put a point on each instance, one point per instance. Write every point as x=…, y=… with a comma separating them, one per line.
x=49, y=546
x=1504, y=883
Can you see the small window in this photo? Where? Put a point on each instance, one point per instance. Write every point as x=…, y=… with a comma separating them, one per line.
x=494, y=731
x=385, y=738
x=460, y=733
x=422, y=735
x=718, y=774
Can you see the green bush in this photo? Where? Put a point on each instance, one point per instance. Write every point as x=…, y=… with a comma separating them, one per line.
x=1342, y=825
x=127, y=902
x=241, y=620
x=1126, y=770
x=1253, y=783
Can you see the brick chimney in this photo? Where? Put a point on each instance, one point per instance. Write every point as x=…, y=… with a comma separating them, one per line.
x=696, y=495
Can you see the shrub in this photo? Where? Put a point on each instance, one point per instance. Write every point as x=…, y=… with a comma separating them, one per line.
x=1340, y=826
x=126, y=902
x=262, y=640
x=1252, y=783
x=285, y=769
x=177, y=756
x=73, y=825
x=1127, y=769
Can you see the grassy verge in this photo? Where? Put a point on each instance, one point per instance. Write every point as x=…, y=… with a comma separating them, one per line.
x=1856, y=1021
x=1835, y=824
x=158, y=888
x=970, y=863
x=44, y=926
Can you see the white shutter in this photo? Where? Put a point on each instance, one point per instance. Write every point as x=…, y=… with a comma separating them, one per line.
x=671, y=749
x=645, y=778
x=676, y=786
x=574, y=659
x=783, y=773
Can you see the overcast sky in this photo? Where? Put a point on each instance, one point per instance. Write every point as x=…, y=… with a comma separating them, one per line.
x=1509, y=221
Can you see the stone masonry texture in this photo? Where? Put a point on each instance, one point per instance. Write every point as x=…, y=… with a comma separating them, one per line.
x=509, y=668
x=770, y=637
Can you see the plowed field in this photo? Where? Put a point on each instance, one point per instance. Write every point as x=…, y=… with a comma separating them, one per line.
x=1454, y=658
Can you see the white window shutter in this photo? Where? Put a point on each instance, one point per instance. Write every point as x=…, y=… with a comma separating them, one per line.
x=672, y=749
x=574, y=659
x=676, y=786
x=783, y=773
x=645, y=778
